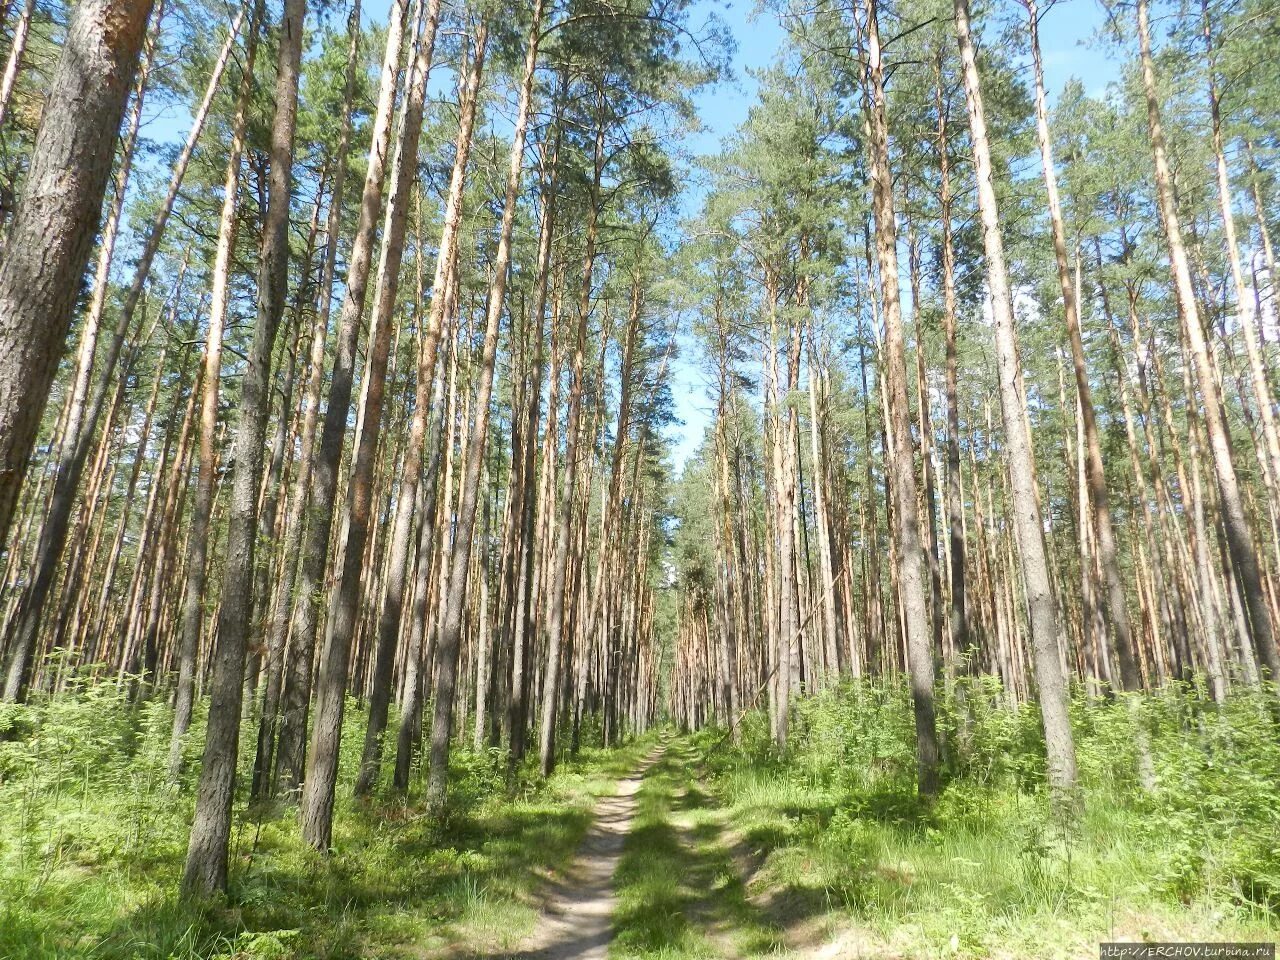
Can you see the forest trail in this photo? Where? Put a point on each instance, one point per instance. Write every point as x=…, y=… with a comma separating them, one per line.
x=576, y=922
x=415, y=428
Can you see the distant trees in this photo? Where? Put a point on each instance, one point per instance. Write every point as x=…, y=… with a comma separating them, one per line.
x=240, y=584
x=1080, y=543
x=409, y=444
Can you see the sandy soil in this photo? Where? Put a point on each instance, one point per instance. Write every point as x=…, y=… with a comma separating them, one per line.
x=577, y=921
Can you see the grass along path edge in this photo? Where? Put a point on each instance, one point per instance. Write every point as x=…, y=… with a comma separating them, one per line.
x=680, y=896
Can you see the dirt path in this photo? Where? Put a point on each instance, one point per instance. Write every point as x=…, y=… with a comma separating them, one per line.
x=577, y=920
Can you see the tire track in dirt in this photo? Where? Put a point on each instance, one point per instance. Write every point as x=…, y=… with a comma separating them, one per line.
x=576, y=922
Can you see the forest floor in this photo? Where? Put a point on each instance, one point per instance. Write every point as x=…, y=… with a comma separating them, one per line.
x=668, y=848
x=576, y=919
x=736, y=868
x=93, y=837
x=657, y=875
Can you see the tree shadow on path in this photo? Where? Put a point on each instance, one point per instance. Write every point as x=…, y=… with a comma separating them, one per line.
x=679, y=892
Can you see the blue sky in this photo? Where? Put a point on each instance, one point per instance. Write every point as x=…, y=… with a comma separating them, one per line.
x=1065, y=32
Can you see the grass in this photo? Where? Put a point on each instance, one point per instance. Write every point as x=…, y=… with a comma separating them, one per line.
x=679, y=892
x=836, y=844
x=92, y=840
x=735, y=850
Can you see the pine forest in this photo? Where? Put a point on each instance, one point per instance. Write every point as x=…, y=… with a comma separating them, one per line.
x=674, y=479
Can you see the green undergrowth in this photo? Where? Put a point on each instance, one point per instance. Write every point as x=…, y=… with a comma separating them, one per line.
x=679, y=893
x=93, y=836
x=834, y=832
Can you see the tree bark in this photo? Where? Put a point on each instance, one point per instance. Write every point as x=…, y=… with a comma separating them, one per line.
x=900, y=456
x=206, y=868
x=54, y=227
x=1041, y=607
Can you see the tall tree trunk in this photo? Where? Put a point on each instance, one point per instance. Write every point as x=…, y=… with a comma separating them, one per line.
x=1041, y=607
x=1095, y=474
x=13, y=66
x=202, y=505
x=611, y=505
x=564, y=520
x=1240, y=544
x=924, y=422
x=417, y=666
x=816, y=449
x=901, y=458
x=335, y=660
x=291, y=746
x=961, y=641
x=451, y=629
x=1269, y=449
x=397, y=570
x=295, y=522
x=206, y=868
x=53, y=533
x=524, y=617
x=84, y=409
x=54, y=228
